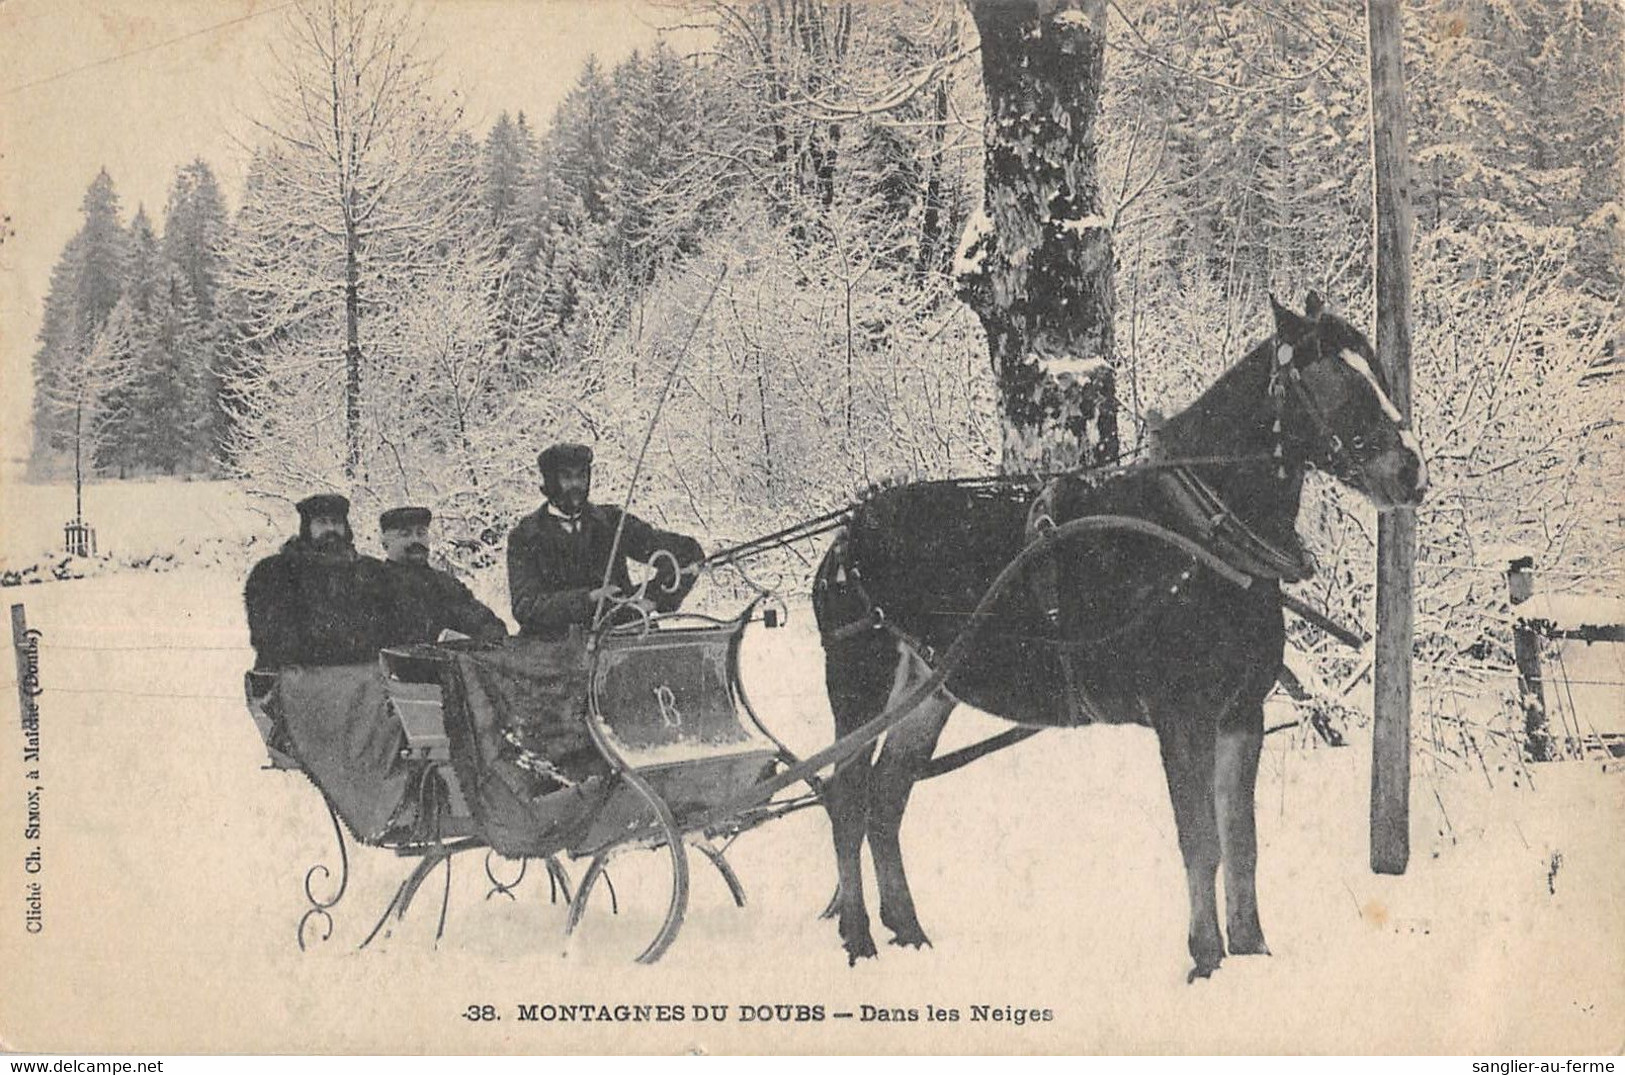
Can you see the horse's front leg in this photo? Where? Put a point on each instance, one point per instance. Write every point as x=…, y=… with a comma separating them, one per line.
x=907, y=749
x=846, y=797
x=1241, y=736
x=858, y=675
x=1187, y=738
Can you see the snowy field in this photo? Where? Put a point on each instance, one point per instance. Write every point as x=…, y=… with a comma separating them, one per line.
x=132, y=519
x=1047, y=876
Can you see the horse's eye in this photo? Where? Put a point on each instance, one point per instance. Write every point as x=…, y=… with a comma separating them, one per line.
x=1358, y=443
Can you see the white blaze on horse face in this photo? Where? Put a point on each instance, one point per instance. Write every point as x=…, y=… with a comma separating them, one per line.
x=1358, y=363
x=1414, y=446
x=1407, y=439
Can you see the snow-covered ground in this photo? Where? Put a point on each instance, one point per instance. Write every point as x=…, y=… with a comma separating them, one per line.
x=131, y=518
x=1047, y=875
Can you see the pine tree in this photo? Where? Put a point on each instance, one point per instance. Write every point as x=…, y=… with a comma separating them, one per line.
x=173, y=407
x=120, y=448
x=657, y=214
x=86, y=285
x=507, y=164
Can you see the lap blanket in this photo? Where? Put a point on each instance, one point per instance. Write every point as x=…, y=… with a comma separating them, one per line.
x=515, y=714
x=339, y=724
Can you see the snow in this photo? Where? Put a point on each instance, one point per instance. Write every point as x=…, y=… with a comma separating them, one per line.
x=1572, y=609
x=1083, y=225
x=1047, y=875
x=972, y=248
x=131, y=518
x=1079, y=368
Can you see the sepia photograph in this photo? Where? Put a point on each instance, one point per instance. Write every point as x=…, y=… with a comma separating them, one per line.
x=903, y=527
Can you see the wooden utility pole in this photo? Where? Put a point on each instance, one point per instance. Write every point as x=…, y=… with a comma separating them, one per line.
x=1396, y=529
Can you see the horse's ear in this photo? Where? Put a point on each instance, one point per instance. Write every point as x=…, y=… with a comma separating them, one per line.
x=1287, y=323
x=1313, y=307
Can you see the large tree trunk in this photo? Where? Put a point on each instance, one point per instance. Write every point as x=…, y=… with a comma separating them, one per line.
x=1036, y=264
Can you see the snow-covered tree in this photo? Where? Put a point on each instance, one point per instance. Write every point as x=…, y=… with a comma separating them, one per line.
x=1036, y=264
x=360, y=183
x=88, y=399
x=195, y=228
x=86, y=285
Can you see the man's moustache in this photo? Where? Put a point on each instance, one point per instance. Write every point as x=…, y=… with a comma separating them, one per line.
x=418, y=550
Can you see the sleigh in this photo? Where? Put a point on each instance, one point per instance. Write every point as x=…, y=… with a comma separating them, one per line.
x=637, y=737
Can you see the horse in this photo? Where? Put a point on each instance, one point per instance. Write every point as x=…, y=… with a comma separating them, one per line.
x=1167, y=614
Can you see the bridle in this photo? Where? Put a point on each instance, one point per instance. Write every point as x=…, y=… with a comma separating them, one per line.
x=1343, y=461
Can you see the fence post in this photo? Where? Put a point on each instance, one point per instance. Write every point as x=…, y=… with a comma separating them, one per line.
x=21, y=648
x=1537, y=735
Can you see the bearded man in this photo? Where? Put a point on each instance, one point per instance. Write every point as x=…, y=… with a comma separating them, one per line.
x=427, y=601
x=317, y=601
x=557, y=555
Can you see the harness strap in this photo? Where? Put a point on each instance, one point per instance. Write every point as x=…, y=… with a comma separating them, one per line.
x=1044, y=586
x=875, y=620
x=1232, y=539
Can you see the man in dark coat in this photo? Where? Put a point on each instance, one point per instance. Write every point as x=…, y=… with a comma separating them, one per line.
x=317, y=601
x=427, y=601
x=558, y=553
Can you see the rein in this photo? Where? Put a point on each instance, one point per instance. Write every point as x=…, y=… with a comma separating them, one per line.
x=816, y=525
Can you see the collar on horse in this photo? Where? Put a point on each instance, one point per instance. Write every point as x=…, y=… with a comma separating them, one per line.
x=1219, y=528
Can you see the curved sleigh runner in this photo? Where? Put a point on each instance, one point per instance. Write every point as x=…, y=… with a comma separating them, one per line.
x=667, y=711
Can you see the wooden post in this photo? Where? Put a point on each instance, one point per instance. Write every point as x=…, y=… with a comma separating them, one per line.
x=27, y=668
x=1396, y=530
x=1537, y=732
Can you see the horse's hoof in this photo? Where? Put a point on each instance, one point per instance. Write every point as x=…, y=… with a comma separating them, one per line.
x=860, y=949
x=1246, y=937
x=1249, y=946
x=1201, y=971
x=916, y=939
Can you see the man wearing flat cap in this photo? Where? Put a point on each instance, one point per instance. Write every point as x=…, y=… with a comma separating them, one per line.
x=427, y=601
x=557, y=555
x=317, y=601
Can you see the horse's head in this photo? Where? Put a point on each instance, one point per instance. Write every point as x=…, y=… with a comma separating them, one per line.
x=1335, y=407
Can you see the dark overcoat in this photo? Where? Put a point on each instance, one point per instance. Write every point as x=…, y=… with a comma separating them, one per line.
x=309, y=606
x=427, y=601
x=552, y=570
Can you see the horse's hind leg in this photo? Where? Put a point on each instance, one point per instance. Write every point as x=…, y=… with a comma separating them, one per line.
x=908, y=748
x=1187, y=738
x=1241, y=736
